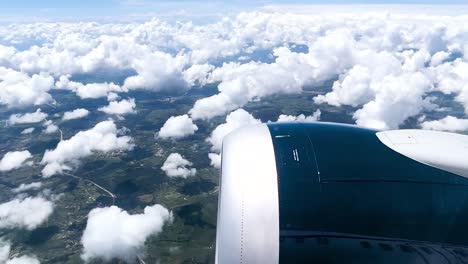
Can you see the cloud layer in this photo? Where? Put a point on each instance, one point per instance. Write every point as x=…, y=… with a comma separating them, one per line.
x=383, y=69
x=386, y=64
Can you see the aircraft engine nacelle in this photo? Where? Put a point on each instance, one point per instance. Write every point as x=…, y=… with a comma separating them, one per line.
x=329, y=193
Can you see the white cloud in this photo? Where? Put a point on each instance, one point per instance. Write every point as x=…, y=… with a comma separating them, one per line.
x=396, y=100
x=177, y=127
x=27, y=186
x=122, y=107
x=50, y=127
x=439, y=57
x=389, y=89
x=25, y=213
x=234, y=120
x=384, y=64
x=212, y=106
x=53, y=168
x=215, y=160
x=114, y=233
x=14, y=159
x=365, y=49
x=353, y=88
x=166, y=75
x=241, y=83
x=28, y=118
x=18, y=89
x=103, y=137
x=5, y=249
x=448, y=123
x=23, y=260
x=451, y=78
x=75, y=114
x=289, y=73
x=300, y=118
x=176, y=166
x=90, y=90
x=28, y=130
x=112, y=97
x=197, y=74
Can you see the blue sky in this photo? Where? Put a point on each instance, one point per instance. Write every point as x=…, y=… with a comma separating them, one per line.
x=96, y=10
x=122, y=3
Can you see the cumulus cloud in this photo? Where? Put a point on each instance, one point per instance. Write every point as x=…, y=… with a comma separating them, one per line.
x=176, y=166
x=177, y=127
x=18, y=89
x=300, y=118
x=450, y=78
x=28, y=118
x=385, y=65
x=166, y=75
x=368, y=67
x=197, y=74
x=5, y=249
x=27, y=186
x=353, y=88
x=215, y=160
x=90, y=90
x=122, y=107
x=388, y=89
x=114, y=233
x=289, y=73
x=234, y=120
x=75, y=114
x=249, y=56
x=14, y=159
x=103, y=137
x=112, y=97
x=241, y=83
x=28, y=130
x=50, y=127
x=27, y=213
x=397, y=99
x=448, y=123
